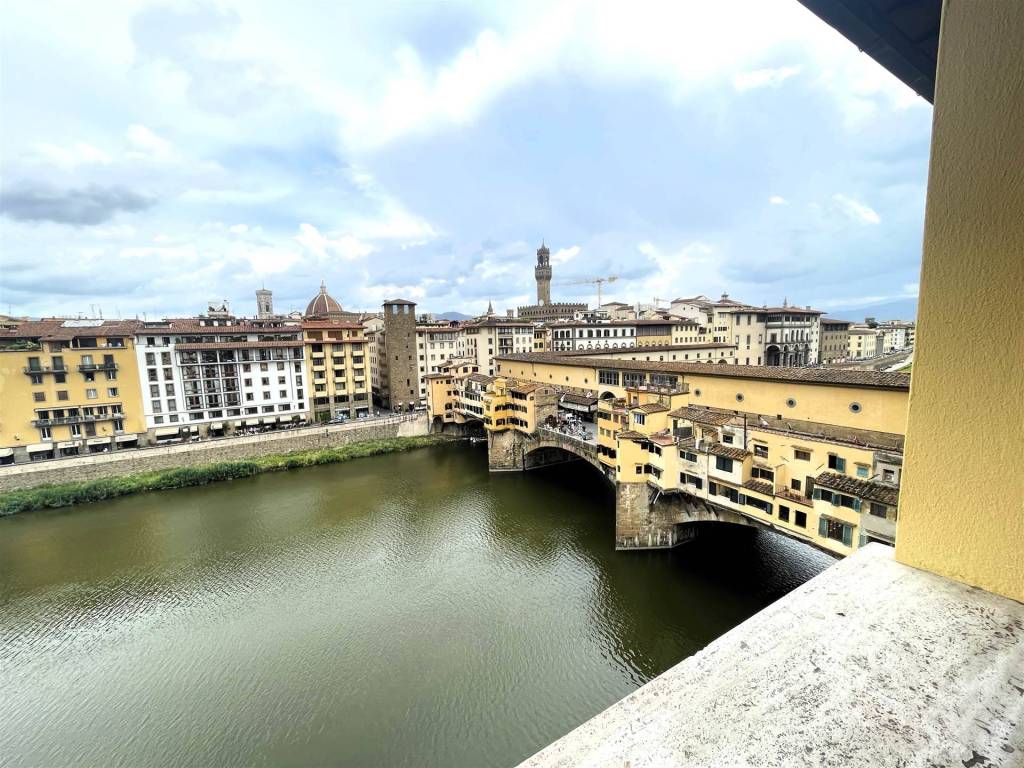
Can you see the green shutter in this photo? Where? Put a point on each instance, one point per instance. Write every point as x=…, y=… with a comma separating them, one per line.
x=856, y=504
x=822, y=527
x=848, y=535
x=817, y=493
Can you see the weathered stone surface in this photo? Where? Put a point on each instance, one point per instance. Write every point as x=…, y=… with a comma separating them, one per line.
x=872, y=663
x=133, y=462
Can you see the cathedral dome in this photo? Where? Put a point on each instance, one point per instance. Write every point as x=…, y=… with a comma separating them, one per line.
x=322, y=304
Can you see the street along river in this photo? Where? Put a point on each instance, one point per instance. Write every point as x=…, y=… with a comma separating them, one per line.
x=408, y=609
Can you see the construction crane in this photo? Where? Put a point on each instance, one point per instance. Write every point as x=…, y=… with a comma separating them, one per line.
x=598, y=281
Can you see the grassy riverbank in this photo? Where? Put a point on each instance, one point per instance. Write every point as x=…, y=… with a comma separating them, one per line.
x=66, y=494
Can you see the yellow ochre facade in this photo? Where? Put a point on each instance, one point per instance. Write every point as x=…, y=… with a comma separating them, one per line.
x=68, y=387
x=816, y=454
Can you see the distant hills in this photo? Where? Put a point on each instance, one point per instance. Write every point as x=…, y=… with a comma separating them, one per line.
x=901, y=309
x=453, y=316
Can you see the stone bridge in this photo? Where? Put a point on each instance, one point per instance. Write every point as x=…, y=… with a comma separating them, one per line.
x=645, y=517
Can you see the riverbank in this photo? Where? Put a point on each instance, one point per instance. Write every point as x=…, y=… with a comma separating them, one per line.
x=67, y=494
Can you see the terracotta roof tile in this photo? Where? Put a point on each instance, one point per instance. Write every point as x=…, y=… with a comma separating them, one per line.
x=834, y=376
x=651, y=408
x=760, y=486
x=727, y=451
x=864, y=489
x=702, y=415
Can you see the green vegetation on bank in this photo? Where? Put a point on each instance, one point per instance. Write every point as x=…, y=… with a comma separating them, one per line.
x=66, y=494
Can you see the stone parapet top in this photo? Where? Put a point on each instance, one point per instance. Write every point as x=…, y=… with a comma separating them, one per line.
x=871, y=663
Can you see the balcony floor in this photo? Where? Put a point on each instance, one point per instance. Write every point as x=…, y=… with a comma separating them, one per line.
x=871, y=663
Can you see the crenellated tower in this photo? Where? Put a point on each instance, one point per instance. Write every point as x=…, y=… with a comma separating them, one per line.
x=543, y=274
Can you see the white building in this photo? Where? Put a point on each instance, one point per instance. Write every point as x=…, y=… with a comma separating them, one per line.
x=571, y=335
x=212, y=375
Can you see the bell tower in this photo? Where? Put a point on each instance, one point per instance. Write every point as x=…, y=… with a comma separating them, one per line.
x=543, y=274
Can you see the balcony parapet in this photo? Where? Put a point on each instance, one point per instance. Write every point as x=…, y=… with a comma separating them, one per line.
x=98, y=367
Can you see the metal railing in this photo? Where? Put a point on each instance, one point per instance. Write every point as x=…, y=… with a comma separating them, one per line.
x=98, y=366
x=76, y=419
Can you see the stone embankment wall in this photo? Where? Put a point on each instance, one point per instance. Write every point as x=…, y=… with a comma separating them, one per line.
x=121, y=463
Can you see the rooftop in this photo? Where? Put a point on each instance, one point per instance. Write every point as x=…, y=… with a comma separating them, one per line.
x=871, y=663
x=702, y=415
x=844, y=377
x=651, y=408
x=61, y=329
x=726, y=451
x=864, y=489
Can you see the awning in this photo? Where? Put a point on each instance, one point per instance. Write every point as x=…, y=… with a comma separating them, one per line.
x=216, y=425
x=127, y=438
x=69, y=444
x=5, y=452
x=167, y=432
x=193, y=429
x=97, y=441
x=39, y=447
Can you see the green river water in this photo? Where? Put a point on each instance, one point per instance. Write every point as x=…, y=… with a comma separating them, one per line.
x=402, y=610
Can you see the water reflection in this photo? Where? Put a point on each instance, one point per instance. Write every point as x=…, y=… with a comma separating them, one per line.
x=402, y=610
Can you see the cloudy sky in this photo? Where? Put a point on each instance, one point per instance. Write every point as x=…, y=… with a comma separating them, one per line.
x=159, y=156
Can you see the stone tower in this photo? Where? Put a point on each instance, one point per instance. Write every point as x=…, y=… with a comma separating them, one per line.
x=264, y=304
x=400, y=381
x=543, y=274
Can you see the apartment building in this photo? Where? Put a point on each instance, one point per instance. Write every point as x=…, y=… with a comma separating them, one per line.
x=835, y=340
x=896, y=336
x=68, y=388
x=490, y=336
x=571, y=335
x=212, y=375
x=337, y=369
x=815, y=453
x=864, y=342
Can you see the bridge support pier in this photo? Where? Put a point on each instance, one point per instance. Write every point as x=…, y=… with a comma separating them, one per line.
x=643, y=524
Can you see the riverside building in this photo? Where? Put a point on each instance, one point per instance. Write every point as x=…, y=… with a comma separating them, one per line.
x=68, y=388
x=337, y=369
x=812, y=453
x=213, y=375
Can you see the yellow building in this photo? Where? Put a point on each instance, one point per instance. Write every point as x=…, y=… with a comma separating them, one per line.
x=68, y=387
x=337, y=369
x=813, y=453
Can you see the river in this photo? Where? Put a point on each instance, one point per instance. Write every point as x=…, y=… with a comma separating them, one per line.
x=402, y=610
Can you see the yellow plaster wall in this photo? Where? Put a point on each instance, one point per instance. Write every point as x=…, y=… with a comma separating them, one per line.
x=962, y=497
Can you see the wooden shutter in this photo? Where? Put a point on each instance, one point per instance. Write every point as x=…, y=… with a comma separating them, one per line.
x=823, y=527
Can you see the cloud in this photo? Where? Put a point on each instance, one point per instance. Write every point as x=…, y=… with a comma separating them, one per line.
x=856, y=210
x=323, y=246
x=564, y=255
x=777, y=200
x=86, y=206
x=67, y=158
x=763, y=78
x=146, y=145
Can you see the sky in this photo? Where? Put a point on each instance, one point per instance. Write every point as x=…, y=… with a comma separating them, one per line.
x=156, y=157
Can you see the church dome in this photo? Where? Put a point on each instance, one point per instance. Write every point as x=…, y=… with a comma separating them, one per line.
x=322, y=304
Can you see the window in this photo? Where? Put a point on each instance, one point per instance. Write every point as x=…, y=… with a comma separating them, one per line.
x=801, y=455
x=783, y=514
x=638, y=417
x=111, y=391
x=879, y=510
x=835, y=530
x=44, y=433
x=889, y=475
x=862, y=470
x=794, y=484
x=838, y=463
x=158, y=419
x=722, y=463
x=800, y=518
x=639, y=469
x=91, y=394
x=39, y=397
x=688, y=456
x=727, y=438
x=62, y=394
x=761, y=450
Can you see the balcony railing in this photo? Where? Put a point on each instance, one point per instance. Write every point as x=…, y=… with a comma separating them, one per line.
x=98, y=366
x=76, y=419
x=45, y=369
